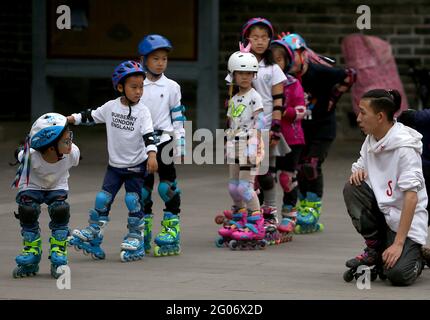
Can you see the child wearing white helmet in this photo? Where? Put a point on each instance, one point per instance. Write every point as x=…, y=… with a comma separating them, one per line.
x=42, y=177
x=244, y=152
x=162, y=96
x=256, y=36
x=132, y=153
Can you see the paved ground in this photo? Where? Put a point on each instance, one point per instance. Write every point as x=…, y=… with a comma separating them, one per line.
x=310, y=267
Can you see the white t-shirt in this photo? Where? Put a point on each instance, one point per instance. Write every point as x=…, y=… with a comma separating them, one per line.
x=160, y=97
x=241, y=109
x=393, y=166
x=49, y=176
x=126, y=147
x=267, y=77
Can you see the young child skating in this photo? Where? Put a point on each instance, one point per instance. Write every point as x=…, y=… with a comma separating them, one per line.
x=244, y=152
x=132, y=153
x=291, y=128
x=162, y=96
x=323, y=85
x=42, y=177
x=257, y=34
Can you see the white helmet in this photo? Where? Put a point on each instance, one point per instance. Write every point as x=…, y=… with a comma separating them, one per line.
x=47, y=129
x=242, y=61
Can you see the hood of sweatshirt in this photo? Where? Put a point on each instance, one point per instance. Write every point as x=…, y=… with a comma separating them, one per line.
x=398, y=136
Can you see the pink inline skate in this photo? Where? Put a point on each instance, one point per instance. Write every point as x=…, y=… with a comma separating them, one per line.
x=251, y=236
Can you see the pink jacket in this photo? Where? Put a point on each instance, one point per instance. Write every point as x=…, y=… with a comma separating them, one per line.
x=293, y=96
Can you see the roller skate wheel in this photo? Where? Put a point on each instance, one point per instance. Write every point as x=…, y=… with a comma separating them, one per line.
x=76, y=247
x=157, y=251
x=15, y=273
x=219, y=219
x=164, y=251
x=320, y=227
x=219, y=242
x=122, y=256
x=348, y=275
x=262, y=244
x=233, y=244
x=86, y=252
x=297, y=229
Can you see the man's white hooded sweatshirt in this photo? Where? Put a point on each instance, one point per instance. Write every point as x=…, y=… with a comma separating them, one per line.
x=393, y=166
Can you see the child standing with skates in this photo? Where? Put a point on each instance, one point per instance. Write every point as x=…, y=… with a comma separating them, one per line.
x=291, y=127
x=323, y=85
x=257, y=34
x=244, y=152
x=386, y=195
x=162, y=96
x=42, y=177
x=132, y=152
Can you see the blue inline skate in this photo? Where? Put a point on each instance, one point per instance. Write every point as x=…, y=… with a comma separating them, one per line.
x=308, y=214
x=167, y=241
x=58, y=251
x=133, y=246
x=89, y=239
x=148, y=232
x=28, y=260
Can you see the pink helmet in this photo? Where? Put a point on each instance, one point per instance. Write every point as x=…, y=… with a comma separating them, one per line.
x=255, y=21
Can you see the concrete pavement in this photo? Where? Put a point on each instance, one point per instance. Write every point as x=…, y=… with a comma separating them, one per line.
x=309, y=267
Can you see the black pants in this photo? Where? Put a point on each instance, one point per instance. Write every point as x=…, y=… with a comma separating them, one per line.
x=290, y=163
x=369, y=221
x=313, y=149
x=166, y=172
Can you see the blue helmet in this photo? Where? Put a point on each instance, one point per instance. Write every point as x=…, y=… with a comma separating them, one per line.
x=125, y=69
x=153, y=42
x=295, y=41
x=47, y=129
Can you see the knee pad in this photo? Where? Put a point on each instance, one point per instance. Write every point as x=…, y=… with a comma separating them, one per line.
x=288, y=181
x=28, y=214
x=266, y=181
x=132, y=202
x=310, y=168
x=168, y=190
x=233, y=190
x=103, y=201
x=245, y=190
x=59, y=211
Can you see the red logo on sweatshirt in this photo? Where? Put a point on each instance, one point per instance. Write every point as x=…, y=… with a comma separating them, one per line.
x=390, y=189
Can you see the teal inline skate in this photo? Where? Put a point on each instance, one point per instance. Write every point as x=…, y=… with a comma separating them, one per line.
x=168, y=240
x=28, y=261
x=133, y=246
x=58, y=251
x=90, y=238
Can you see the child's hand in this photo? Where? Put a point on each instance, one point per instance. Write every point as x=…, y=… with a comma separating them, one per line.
x=300, y=112
x=357, y=177
x=152, y=165
x=71, y=119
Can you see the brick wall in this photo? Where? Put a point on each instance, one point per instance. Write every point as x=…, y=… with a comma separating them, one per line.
x=323, y=24
x=15, y=59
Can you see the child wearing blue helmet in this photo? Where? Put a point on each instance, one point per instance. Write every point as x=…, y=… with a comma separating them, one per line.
x=42, y=177
x=162, y=96
x=323, y=85
x=131, y=151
